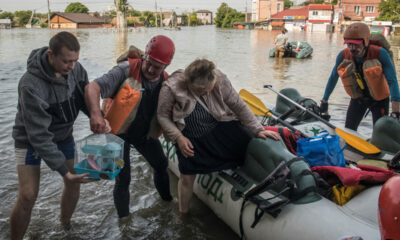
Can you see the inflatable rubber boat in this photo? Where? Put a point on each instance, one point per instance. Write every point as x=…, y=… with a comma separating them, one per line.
x=297, y=214
x=295, y=49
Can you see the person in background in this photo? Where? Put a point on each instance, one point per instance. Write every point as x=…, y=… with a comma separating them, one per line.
x=368, y=76
x=135, y=80
x=50, y=95
x=210, y=124
x=280, y=43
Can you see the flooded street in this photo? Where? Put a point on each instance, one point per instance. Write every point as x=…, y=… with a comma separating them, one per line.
x=241, y=54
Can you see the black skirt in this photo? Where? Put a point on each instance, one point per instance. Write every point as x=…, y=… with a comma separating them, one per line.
x=224, y=147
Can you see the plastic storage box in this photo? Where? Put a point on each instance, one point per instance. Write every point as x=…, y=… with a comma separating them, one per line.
x=100, y=155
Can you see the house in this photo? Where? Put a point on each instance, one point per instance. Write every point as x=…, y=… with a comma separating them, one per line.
x=264, y=9
x=320, y=18
x=169, y=19
x=291, y=19
x=358, y=10
x=205, y=16
x=5, y=23
x=76, y=20
x=181, y=19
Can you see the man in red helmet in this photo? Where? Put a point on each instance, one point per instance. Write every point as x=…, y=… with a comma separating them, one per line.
x=368, y=76
x=389, y=209
x=140, y=79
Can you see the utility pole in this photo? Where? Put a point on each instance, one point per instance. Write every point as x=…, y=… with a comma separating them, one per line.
x=156, y=13
x=245, y=9
x=48, y=13
x=161, y=23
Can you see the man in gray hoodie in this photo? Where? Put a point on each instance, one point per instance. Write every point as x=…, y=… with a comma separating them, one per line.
x=50, y=95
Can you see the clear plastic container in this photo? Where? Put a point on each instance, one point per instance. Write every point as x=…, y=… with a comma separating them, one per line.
x=100, y=155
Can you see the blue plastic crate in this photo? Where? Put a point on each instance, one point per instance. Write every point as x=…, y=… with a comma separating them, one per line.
x=83, y=167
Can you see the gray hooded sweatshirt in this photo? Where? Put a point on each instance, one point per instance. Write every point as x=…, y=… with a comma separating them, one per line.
x=47, y=109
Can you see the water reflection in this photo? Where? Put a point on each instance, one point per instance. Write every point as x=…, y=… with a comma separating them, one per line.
x=122, y=43
x=281, y=67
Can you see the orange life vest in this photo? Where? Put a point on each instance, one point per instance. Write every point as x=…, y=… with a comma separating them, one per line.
x=375, y=80
x=121, y=110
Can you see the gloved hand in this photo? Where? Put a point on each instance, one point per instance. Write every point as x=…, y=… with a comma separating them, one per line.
x=395, y=115
x=323, y=106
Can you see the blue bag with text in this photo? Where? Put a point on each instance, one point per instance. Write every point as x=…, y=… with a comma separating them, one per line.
x=322, y=150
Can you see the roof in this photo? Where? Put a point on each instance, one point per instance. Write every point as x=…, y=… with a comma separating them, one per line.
x=203, y=11
x=5, y=21
x=320, y=7
x=291, y=12
x=79, y=17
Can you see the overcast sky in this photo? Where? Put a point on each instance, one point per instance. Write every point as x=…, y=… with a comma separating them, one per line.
x=104, y=5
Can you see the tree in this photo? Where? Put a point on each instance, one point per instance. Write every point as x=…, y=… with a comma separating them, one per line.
x=133, y=13
x=23, y=17
x=76, y=7
x=226, y=16
x=121, y=7
x=4, y=15
x=288, y=4
x=306, y=3
x=150, y=19
x=389, y=11
x=193, y=19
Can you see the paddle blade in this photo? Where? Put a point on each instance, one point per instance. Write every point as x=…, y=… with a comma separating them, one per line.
x=255, y=104
x=357, y=142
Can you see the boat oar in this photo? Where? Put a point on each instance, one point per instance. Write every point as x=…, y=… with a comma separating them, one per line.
x=258, y=108
x=354, y=141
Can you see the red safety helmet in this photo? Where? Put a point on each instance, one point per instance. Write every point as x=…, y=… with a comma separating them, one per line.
x=161, y=49
x=389, y=209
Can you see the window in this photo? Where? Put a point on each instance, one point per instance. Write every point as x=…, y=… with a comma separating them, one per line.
x=357, y=10
x=369, y=9
x=315, y=13
x=279, y=7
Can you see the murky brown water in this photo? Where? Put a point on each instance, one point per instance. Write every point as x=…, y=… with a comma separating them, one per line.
x=241, y=54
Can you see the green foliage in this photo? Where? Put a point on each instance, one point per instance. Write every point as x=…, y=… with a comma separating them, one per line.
x=193, y=19
x=23, y=17
x=306, y=3
x=389, y=11
x=184, y=19
x=133, y=13
x=288, y=4
x=76, y=7
x=150, y=18
x=122, y=5
x=43, y=25
x=334, y=2
x=131, y=22
x=112, y=14
x=226, y=16
x=8, y=15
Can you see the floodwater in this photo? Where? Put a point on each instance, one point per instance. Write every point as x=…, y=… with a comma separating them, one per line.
x=241, y=54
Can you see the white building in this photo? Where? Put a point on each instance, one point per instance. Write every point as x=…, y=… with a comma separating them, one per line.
x=320, y=18
x=205, y=16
